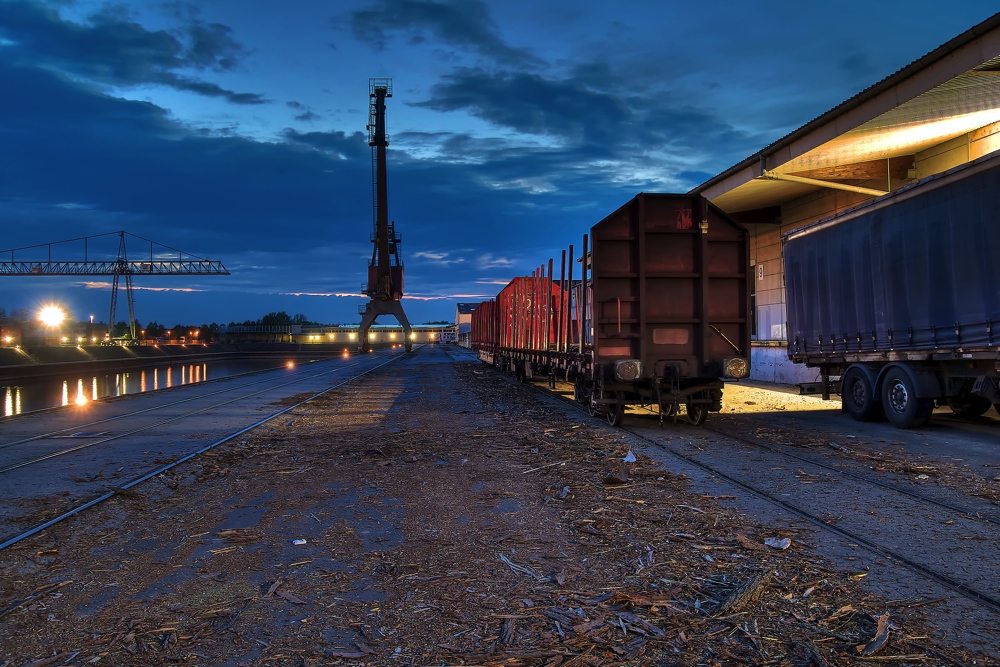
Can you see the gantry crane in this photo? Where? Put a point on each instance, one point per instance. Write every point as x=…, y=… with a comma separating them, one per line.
x=120, y=268
x=385, y=271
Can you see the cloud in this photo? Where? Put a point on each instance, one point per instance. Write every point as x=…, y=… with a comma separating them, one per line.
x=335, y=144
x=464, y=24
x=438, y=258
x=110, y=48
x=531, y=104
x=107, y=285
x=488, y=261
x=585, y=113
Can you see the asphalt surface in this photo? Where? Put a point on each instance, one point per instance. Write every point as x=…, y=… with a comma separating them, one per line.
x=54, y=460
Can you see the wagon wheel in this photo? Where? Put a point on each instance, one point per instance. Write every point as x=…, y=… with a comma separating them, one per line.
x=697, y=413
x=616, y=411
x=579, y=393
x=593, y=409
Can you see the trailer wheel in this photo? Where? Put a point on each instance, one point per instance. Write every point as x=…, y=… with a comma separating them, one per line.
x=616, y=411
x=858, y=396
x=899, y=399
x=969, y=406
x=697, y=413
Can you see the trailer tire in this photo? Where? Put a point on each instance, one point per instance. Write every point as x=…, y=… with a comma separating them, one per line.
x=858, y=396
x=899, y=399
x=969, y=406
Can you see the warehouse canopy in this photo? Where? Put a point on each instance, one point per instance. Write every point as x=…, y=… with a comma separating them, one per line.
x=951, y=93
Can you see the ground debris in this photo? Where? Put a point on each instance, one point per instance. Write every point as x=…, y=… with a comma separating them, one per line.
x=496, y=538
x=749, y=591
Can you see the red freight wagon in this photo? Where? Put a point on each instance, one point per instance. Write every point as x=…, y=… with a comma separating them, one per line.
x=516, y=331
x=660, y=315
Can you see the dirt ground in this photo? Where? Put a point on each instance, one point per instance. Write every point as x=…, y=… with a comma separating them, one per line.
x=437, y=514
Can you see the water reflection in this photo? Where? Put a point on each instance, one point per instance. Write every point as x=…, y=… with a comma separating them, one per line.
x=11, y=401
x=38, y=394
x=81, y=398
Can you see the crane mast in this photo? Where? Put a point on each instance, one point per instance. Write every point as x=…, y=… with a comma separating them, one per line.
x=385, y=270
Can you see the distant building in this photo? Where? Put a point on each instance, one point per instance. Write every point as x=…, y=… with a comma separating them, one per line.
x=258, y=333
x=463, y=322
x=330, y=335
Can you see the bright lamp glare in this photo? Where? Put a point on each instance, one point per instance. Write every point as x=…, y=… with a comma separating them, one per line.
x=51, y=316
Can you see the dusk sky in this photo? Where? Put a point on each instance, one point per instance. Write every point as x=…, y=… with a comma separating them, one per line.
x=234, y=130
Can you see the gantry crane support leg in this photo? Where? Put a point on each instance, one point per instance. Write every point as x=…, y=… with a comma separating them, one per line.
x=376, y=308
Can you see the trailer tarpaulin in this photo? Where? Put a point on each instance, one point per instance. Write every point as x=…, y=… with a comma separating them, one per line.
x=916, y=270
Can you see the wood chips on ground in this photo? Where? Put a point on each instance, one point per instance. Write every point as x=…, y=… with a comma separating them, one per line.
x=435, y=514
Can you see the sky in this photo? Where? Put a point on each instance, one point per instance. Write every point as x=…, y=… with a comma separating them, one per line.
x=235, y=130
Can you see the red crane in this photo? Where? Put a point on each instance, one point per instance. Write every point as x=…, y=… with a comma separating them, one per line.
x=385, y=270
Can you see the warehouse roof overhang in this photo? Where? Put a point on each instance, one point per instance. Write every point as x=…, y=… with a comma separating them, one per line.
x=948, y=93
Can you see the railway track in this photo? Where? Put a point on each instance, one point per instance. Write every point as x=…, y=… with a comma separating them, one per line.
x=154, y=425
x=912, y=504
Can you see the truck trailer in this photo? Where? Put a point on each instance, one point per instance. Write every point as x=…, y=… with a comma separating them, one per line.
x=898, y=297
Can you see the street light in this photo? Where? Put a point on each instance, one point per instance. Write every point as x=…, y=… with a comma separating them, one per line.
x=51, y=316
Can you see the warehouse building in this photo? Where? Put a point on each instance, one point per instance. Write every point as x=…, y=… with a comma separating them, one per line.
x=463, y=323
x=380, y=335
x=939, y=112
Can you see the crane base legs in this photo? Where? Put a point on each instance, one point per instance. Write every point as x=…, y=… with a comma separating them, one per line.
x=372, y=311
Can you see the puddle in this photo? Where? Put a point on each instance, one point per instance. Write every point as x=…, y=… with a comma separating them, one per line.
x=507, y=506
x=247, y=515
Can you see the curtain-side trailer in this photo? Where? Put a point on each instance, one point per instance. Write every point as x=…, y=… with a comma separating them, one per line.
x=899, y=297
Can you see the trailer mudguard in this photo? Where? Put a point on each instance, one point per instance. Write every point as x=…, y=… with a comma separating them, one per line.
x=925, y=381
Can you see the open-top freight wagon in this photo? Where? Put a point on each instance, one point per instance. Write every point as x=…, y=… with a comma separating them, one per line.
x=658, y=316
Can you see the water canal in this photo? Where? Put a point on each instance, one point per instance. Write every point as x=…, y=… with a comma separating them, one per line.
x=29, y=394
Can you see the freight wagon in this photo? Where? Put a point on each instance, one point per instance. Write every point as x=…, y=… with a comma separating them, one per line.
x=899, y=297
x=659, y=314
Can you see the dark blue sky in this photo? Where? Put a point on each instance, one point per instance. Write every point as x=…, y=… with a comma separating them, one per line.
x=235, y=130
